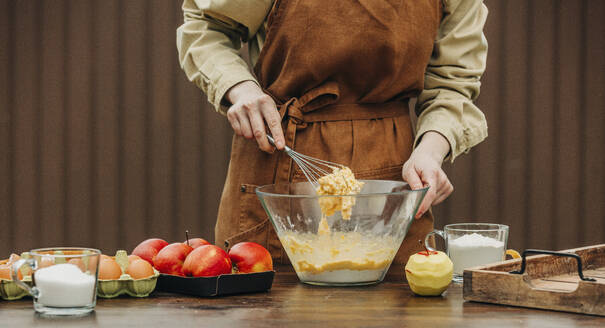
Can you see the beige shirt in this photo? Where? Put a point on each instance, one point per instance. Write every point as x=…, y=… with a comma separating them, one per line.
x=213, y=31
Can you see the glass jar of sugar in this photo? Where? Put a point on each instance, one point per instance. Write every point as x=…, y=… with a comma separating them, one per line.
x=64, y=280
x=473, y=244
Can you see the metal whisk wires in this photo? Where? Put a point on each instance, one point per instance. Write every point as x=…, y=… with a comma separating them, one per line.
x=313, y=168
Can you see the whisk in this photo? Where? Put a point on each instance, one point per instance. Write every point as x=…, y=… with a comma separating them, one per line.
x=313, y=168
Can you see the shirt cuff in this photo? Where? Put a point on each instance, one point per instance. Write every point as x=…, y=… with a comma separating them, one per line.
x=461, y=138
x=220, y=103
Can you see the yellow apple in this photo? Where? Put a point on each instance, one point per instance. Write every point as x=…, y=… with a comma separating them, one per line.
x=429, y=273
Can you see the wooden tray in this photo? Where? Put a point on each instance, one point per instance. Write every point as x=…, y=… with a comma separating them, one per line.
x=551, y=281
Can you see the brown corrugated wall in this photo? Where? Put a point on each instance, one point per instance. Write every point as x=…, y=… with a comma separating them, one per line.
x=103, y=142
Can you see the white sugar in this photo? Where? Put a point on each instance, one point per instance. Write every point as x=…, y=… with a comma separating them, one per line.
x=474, y=240
x=64, y=285
x=473, y=250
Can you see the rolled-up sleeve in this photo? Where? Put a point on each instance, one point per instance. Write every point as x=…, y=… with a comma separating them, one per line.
x=452, y=78
x=209, y=40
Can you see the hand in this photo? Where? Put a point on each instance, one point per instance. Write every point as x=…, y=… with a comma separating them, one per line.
x=250, y=110
x=424, y=167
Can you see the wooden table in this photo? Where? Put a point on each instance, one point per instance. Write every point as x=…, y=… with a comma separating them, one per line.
x=292, y=304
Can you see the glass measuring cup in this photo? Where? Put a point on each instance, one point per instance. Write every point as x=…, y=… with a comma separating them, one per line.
x=473, y=244
x=64, y=280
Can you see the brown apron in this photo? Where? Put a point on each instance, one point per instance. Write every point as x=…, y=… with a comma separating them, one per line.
x=341, y=73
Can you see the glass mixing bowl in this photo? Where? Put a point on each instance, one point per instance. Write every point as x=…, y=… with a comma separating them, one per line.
x=350, y=252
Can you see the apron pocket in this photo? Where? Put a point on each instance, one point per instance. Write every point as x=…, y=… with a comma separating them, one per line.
x=253, y=222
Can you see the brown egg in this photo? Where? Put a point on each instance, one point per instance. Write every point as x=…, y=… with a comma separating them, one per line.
x=133, y=257
x=45, y=261
x=5, y=272
x=93, y=261
x=77, y=262
x=109, y=269
x=13, y=258
x=139, y=269
x=6, y=267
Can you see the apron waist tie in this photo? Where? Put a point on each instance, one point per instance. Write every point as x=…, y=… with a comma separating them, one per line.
x=321, y=105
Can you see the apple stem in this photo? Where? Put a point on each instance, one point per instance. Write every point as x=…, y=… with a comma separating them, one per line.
x=426, y=250
x=423, y=246
x=187, y=236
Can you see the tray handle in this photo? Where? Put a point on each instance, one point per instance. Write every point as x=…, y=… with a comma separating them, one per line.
x=537, y=251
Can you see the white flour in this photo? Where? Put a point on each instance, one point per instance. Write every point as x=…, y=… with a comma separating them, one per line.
x=64, y=285
x=473, y=250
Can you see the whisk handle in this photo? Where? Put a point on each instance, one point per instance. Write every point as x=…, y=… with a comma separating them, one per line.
x=271, y=141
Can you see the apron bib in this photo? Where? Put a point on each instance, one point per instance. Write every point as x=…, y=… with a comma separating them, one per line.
x=341, y=73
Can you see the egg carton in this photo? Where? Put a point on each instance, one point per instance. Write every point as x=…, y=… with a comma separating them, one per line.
x=126, y=284
x=9, y=290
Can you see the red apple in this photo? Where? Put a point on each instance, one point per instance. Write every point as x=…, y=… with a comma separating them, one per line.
x=170, y=258
x=207, y=261
x=196, y=242
x=148, y=249
x=250, y=257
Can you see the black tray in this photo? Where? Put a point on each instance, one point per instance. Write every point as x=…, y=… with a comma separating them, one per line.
x=226, y=284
